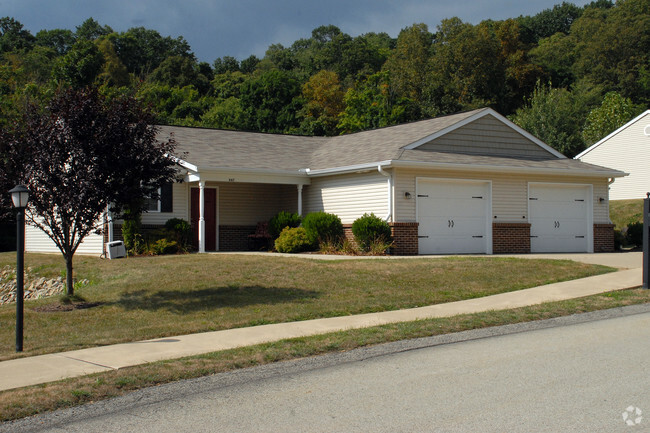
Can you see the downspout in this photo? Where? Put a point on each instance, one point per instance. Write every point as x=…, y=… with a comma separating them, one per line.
x=389, y=217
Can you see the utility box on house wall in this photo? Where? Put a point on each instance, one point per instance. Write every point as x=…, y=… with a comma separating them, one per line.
x=115, y=249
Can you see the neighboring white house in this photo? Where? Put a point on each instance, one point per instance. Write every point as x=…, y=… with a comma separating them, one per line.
x=471, y=182
x=626, y=149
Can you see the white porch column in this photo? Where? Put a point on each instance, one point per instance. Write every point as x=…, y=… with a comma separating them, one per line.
x=300, y=200
x=202, y=216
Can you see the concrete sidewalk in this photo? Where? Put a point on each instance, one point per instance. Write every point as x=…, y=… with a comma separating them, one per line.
x=48, y=368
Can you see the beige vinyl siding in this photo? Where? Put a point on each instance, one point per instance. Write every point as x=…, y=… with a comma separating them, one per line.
x=180, y=208
x=36, y=241
x=487, y=136
x=628, y=151
x=348, y=196
x=509, y=193
x=250, y=203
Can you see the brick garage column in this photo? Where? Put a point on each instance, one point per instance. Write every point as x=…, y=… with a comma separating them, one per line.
x=405, y=239
x=511, y=238
x=603, y=238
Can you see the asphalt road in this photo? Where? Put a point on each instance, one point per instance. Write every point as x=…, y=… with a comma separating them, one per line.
x=578, y=374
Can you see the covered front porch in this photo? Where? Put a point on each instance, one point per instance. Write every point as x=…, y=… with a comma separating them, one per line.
x=225, y=208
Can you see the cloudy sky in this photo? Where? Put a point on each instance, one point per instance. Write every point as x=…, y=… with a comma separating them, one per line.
x=239, y=28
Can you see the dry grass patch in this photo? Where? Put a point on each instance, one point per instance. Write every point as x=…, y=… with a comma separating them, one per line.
x=23, y=402
x=153, y=297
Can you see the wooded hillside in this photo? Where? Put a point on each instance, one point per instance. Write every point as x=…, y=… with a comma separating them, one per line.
x=569, y=74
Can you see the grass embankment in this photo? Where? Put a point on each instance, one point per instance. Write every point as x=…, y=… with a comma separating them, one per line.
x=625, y=212
x=151, y=297
x=23, y=402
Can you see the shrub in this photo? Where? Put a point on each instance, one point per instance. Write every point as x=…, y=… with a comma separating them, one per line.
x=180, y=231
x=164, y=246
x=280, y=221
x=619, y=239
x=634, y=235
x=379, y=247
x=370, y=228
x=131, y=232
x=323, y=227
x=292, y=240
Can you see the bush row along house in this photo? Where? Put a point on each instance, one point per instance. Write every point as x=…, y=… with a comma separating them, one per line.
x=472, y=182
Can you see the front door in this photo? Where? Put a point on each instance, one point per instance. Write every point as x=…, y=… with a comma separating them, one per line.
x=210, y=209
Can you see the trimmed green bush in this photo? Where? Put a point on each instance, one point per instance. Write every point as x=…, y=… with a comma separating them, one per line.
x=323, y=227
x=368, y=229
x=634, y=234
x=280, y=221
x=292, y=240
x=131, y=233
x=181, y=231
x=164, y=246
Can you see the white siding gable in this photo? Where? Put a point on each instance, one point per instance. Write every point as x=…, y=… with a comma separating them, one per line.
x=626, y=149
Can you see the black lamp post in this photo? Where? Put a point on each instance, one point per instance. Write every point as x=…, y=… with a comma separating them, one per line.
x=20, y=196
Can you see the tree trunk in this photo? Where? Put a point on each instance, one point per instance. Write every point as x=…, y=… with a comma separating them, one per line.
x=68, y=276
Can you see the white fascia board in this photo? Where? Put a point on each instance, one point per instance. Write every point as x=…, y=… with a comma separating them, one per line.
x=348, y=169
x=249, y=175
x=602, y=140
x=509, y=169
x=477, y=116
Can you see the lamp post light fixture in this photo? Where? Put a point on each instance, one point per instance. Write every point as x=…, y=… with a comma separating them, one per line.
x=20, y=197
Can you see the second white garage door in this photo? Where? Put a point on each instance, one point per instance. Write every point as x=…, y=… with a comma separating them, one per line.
x=453, y=216
x=560, y=218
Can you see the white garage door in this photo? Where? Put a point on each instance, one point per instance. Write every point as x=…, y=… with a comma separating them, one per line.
x=453, y=216
x=560, y=218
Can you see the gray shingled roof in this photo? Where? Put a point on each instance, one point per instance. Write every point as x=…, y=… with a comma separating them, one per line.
x=214, y=149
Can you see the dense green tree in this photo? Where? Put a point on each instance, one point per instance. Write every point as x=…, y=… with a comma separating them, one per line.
x=178, y=71
x=614, y=112
x=323, y=97
x=91, y=30
x=556, y=56
x=249, y=64
x=612, y=46
x=520, y=73
x=13, y=36
x=372, y=104
x=269, y=102
x=277, y=56
x=228, y=85
x=549, y=22
x=60, y=40
x=224, y=114
x=410, y=65
x=164, y=98
x=80, y=66
x=468, y=71
x=225, y=64
x=114, y=73
x=556, y=117
x=143, y=50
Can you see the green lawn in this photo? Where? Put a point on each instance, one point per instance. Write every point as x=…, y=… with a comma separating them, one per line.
x=152, y=297
x=624, y=212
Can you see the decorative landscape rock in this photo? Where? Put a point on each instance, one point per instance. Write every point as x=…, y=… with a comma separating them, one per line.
x=35, y=287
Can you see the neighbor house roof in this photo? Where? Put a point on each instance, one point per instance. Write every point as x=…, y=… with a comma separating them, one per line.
x=212, y=150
